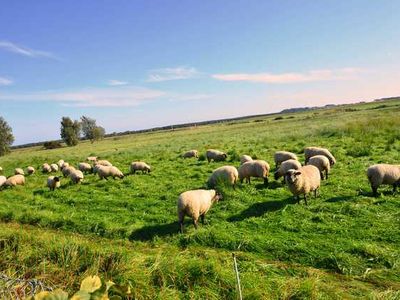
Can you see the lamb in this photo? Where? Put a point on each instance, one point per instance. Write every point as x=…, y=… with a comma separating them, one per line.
x=19, y=171
x=107, y=171
x=30, y=170
x=67, y=170
x=46, y=168
x=312, y=151
x=60, y=163
x=303, y=181
x=226, y=174
x=54, y=167
x=15, y=180
x=104, y=162
x=140, y=166
x=53, y=182
x=215, y=155
x=195, y=204
x=85, y=167
x=281, y=156
x=92, y=159
x=191, y=153
x=255, y=168
x=76, y=176
x=3, y=180
x=245, y=158
x=65, y=165
x=286, y=166
x=383, y=174
x=322, y=163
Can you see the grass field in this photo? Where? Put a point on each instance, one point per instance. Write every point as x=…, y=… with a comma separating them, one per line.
x=344, y=245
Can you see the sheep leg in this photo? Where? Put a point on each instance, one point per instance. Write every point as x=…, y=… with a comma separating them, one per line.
x=374, y=191
x=265, y=181
x=326, y=174
x=248, y=180
x=322, y=175
x=202, y=217
x=305, y=199
x=297, y=198
x=394, y=188
x=195, y=221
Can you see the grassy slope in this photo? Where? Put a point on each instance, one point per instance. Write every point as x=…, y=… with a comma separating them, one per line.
x=345, y=244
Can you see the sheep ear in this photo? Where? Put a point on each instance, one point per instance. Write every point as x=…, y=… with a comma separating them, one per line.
x=297, y=173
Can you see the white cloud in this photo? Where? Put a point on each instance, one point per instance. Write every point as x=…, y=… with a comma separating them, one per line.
x=5, y=81
x=114, y=82
x=313, y=75
x=177, y=73
x=25, y=51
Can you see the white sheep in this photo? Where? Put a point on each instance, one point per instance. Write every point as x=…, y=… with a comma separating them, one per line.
x=312, y=151
x=255, y=168
x=60, y=163
x=224, y=174
x=3, y=180
x=76, y=176
x=30, y=170
x=65, y=165
x=215, y=155
x=19, y=171
x=46, y=168
x=191, y=153
x=383, y=174
x=104, y=162
x=67, y=170
x=286, y=166
x=109, y=171
x=281, y=156
x=245, y=158
x=322, y=163
x=195, y=204
x=140, y=166
x=53, y=182
x=15, y=180
x=91, y=159
x=85, y=167
x=54, y=167
x=303, y=181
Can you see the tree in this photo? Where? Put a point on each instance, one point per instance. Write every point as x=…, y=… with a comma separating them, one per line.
x=6, y=137
x=70, y=131
x=90, y=129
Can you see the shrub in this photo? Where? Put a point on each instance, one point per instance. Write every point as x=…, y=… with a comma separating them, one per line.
x=52, y=145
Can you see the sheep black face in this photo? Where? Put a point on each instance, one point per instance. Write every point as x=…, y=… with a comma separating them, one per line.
x=291, y=176
x=218, y=196
x=56, y=179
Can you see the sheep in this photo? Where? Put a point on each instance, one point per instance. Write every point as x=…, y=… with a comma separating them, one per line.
x=245, y=158
x=191, y=153
x=215, y=155
x=85, y=167
x=19, y=171
x=67, y=170
x=383, y=174
x=322, y=163
x=255, y=168
x=76, y=176
x=65, y=165
x=107, y=171
x=60, y=163
x=92, y=159
x=286, y=166
x=312, y=151
x=303, y=181
x=104, y=162
x=30, y=170
x=54, y=167
x=46, y=168
x=140, y=166
x=15, y=180
x=227, y=174
x=3, y=179
x=195, y=204
x=281, y=156
x=53, y=182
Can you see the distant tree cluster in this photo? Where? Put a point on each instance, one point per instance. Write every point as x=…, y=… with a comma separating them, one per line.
x=90, y=130
x=71, y=130
x=6, y=137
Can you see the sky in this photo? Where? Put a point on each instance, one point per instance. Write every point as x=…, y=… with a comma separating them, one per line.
x=140, y=64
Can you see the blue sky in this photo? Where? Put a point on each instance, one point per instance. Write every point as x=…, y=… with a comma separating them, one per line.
x=140, y=64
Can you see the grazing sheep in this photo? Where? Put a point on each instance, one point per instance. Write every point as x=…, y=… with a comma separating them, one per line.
x=109, y=171
x=245, y=158
x=303, y=181
x=19, y=171
x=76, y=176
x=53, y=182
x=195, y=204
x=226, y=174
x=215, y=155
x=312, y=151
x=54, y=167
x=140, y=166
x=322, y=163
x=286, y=166
x=255, y=168
x=91, y=159
x=281, y=156
x=30, y=170
x=3, y=179
x=85, y=167
x=65, y=165
x=104, y=162
x=46, y=168
x=60, y=163
x=67, y=170
x=15, y=180
x=191, y=153
x=383, y=174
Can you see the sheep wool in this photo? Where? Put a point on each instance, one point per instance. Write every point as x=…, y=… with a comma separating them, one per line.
x=312, y=151
x=104, y=162
x=60, y=163
x=245, y=158
x=76, y=176
x=383, y=174
x=67, y=170
x=46, y=168
x=3, y=180
x=92, y=159
x=15, y=180
x=281, y=156
x=255, y=168
x=53, y=182
x=215, y=155
x=30, y=170
x=85, y=167
x=54, y=167
x=140, y=166
x=191, y=153
x=322, y=163
x=109, y=171
x=224, y=174
x=286, y=166
x=303, y=181
x=19, y=171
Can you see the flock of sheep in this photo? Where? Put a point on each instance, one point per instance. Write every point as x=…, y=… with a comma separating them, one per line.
x=301, y=180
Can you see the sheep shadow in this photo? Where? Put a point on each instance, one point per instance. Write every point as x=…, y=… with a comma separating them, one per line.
x=339, y=199
x=260, y=208
x=273, y=185
x=148, y=233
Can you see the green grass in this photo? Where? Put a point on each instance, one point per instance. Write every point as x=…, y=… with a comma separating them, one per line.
x=344, y=244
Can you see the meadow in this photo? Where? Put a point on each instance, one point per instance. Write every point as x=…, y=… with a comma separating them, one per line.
x=344, y=245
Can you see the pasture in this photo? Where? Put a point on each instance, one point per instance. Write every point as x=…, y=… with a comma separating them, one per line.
x=344, y=245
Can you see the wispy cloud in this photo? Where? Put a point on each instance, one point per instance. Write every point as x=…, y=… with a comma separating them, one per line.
x=25, y=51
x=5, y=81
x=177, y=73
x=310, y=76
x=114, y=82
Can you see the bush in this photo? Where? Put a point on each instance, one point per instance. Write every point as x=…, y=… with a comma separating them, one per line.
x=52, y=145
